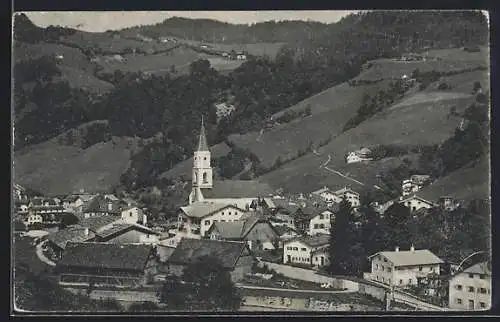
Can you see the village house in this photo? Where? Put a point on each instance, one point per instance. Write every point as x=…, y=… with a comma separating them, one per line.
x=234, y=256
x=133, y=215
x=448, y=203
x=241, y=56
x=197, y=218
x=363, y=154
x=20, y=193
x=307, y=250
x=414, y=184
x=330, y=196
x=314, y=220
x=33, y=219
x=23, y=209
x=416, y=203
x=106, y=264
x=403, y=268
x=99, y=206
x=76, y=202
x=254, y=229
x=57, y=242
x=238, y=193
x=285, y=233
x=470, y=289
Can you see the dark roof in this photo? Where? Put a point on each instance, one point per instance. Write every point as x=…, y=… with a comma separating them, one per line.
x=237, y=189
x=311, y=211
x=100, y=204
x=191, y=250
x=98, y=222
x=314, y=241
x=104, y=255
x=237, y=229
x=70, y=234
x=118, y=228
x=479, y=268
x=202, y=140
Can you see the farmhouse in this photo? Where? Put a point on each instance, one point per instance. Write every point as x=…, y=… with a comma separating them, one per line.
x=311, y=250
x=239, y=193
x=470, y=289
x=255, y=230
x=234, y=256
x=106, y=264
x=403, y=268
x=414, y=184
x=314, y=219
x=448, y=203
x=330, y=196
x=197, y=218
x=363, y=154
x=415, y=203
x=33, y=219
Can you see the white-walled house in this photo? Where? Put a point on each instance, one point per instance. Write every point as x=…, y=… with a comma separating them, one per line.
x=198, y=217
x=133, y=215
x=403, y=268
x=470, y=289
x=310, y=250
x=414, y=184
x=415, y=203
x=33, y=218
x=325, y=193
x=362, y=154
x=331, y=196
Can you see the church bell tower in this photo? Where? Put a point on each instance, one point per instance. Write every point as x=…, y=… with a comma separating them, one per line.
x=202, y=170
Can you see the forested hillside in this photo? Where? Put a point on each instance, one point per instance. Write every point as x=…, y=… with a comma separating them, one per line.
x=172, y=105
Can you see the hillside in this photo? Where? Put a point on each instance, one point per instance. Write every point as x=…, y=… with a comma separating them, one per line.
x=403, y=124
x=473, y=183
x=96, y=168
x=331, y=109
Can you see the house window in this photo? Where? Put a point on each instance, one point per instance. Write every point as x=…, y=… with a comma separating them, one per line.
x=414, y=208
x=376, y=266
x=229, y=213
x=482, y=290
x=316, y=226
x=471, y=289
x=303, y=249
x=223, y=213
x=389, y=269
x=420, y=269
x=471, y=275
x=205, y=177
x=459, y=287
x=400, y=282
x=222, y=220
x=321, y=216
x=481, y=276
x=322, y=226
x=385, y=260
x=383, y=268
x=409, y=281
x=307, y=260
x=482, y=305
x=383, y=279
x=207, y=222
x=315, y=259
x=459, y=301
x=204, y=158
x=295, y=248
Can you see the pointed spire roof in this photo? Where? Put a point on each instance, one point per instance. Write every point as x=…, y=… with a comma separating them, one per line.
x=202, y=141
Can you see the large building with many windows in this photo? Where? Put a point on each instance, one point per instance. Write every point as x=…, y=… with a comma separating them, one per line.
x=470, y=289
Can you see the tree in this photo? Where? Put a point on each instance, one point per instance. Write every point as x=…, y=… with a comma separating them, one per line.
x=69, y=219
x=342, y=240
x=398, y=222
x=206, y=286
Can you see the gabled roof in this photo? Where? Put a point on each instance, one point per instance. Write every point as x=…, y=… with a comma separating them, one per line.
x=320, y=191
x=106, y=255
x=416, y=197
x=310, y=211
x=122, y=227
x=411, y=258
x=237, y=189
x=70, y=234
x=190, y=250
x=202, y=209
x=313, y=241
x=100, y=204
x=97, y=223
x=479, y=268
x=344, y=190
x=237, y=229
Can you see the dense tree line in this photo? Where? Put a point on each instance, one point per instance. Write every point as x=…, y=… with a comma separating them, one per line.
x=355, y=235
x=26, y=31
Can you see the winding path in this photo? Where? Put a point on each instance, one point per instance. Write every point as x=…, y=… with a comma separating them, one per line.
x=41, y=255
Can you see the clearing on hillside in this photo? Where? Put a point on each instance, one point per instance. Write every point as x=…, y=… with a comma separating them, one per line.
x=417, y=124
x=330, y=110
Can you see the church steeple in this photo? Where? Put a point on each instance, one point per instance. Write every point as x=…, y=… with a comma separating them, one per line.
x=202, y=140
x=202, y=169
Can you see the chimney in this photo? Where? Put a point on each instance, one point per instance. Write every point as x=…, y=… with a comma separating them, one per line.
x=412, y=248
x=397, y=249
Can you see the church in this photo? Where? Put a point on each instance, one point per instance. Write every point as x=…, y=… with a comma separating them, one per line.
x=237, y=193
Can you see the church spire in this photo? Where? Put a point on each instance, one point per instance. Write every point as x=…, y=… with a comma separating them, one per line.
x=202, y=141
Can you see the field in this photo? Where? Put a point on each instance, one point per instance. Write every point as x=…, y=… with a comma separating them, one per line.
x=421, y=123
x=52, y=168
x=463, y=83
x=184, y=168
x=75, y=67
x=474, y=183
x=448, y=60
x=330, y=110
x=255, y=49
x=112, y=45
